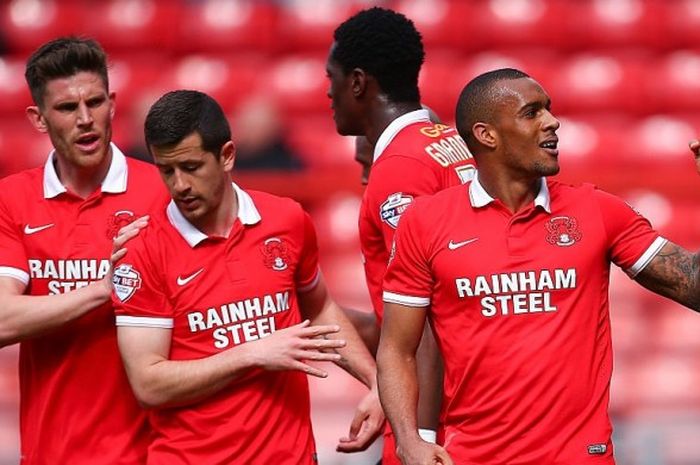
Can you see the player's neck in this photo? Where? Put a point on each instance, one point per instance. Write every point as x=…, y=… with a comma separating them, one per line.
x=220, y=221
x=82, y=181
x=515, y=193
x=384, y=113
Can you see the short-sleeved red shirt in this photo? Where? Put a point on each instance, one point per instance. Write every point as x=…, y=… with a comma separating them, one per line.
x=519, y=303
x=216, y=293
x=412, y=157
x=76, y=405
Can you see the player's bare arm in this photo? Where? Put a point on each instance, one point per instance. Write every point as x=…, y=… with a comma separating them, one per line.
x=674, y=273
x=158, y=381
x=365, y=324
x=23, y=316
x=318, y=306
x=402, y=331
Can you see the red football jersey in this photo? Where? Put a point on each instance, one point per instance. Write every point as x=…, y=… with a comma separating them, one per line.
x=412, y=157
x=216, y=293
x=76, y=405
x=519, y=304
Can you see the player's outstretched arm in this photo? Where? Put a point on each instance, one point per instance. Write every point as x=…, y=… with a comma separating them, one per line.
x=402, y=330
x=158, y=381
x=674, y=273
x=368, y=421
x=23, y=316
x=365, y=323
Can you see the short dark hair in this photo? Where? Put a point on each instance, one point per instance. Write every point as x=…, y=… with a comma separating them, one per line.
x=476, y=101
x=61, y=58
x=386, y=45
x=180, y=113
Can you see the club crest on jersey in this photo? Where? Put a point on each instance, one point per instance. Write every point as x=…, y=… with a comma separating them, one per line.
x=126, y=281
x=393, y=207
x=275, y=254
x=563, y=231
x=118, y=221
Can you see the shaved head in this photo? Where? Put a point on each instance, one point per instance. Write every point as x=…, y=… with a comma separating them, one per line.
x=477, y=102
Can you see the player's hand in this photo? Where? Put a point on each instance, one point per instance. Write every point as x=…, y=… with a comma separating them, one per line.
x=695, y=148
x=419, y=452
x=291, y=348
x=124, y=235
x=366, y=426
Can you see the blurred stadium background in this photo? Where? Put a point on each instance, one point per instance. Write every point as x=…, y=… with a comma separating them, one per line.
x=624, y=76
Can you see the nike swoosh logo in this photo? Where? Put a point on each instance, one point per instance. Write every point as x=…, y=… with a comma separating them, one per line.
x=182, y=281
x=29, y=230
x=456, y=245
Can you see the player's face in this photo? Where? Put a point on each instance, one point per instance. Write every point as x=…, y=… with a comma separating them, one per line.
x=195, y=178
x=76, y=113
x=342, y=99
x=527, y=128
x=364, y=155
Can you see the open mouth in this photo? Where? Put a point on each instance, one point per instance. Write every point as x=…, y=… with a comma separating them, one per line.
x=551, y=146
x=88, y=142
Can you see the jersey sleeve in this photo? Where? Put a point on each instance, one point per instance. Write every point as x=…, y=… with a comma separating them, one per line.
x=408, y=280
x=308, y=273
x=632, y=242
x=138, y=295
x=394, y=184
x=13, y=255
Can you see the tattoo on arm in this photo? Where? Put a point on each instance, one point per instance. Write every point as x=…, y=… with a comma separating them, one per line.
x=674, y=273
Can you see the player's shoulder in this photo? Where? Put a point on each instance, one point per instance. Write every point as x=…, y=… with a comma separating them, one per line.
x=411, y=140
x=271, y=205
x=26, y=180
x=141, y=171
x=579, y=192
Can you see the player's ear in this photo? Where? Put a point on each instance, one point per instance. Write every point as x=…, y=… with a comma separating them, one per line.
x=358, y=82
x=227, y=156
x=485, y=134
x=36, y=118
x=112, y=103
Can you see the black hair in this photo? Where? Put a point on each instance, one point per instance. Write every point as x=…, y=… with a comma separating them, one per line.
x=386, y=45
x=476, y=102
x=61, y=58
x=180, y=113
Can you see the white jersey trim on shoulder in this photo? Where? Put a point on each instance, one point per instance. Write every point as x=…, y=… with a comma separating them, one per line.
x=396, y=126
x=312, y=284
x=144, y=322
x=647, y=256
x=408, y=300
x=16, y=273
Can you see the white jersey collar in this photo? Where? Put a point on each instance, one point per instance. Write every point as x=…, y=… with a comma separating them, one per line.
x=480, y=198
x=247, y=213
x=397, y=125
x=113, y=183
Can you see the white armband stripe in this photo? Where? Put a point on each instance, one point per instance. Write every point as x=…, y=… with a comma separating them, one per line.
x=144, y=322
x=647, y=256
x=16, y=273
x=408, y=300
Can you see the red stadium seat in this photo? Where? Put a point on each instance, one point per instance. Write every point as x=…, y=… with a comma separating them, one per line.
x=227, y=26
x=440, y=22
x=299, y=82
x=672, y=84
x=26, y=24
x=610, y=23
x=318, y=144
x=14, y=95
x=308, y=25
x=21, y=146
x=133, y=24
x=600, y=82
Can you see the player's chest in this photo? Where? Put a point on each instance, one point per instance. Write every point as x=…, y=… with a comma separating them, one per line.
x=64, y=228
x=490, y=245
x=251, y=270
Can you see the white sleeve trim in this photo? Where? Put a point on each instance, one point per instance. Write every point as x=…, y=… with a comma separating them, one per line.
x=144, y=322
x=647, y=256
x=16, y=273
x=408, y=300
x=312, y=284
